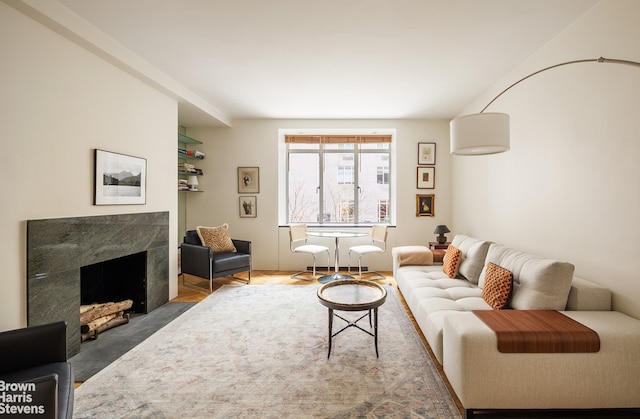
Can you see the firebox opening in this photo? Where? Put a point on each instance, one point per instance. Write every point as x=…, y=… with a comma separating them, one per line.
x=116, y=280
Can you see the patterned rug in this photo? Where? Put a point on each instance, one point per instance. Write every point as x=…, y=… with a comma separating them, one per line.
x=260, y=351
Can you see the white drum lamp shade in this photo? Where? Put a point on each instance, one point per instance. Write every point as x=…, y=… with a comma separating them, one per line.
x=480, y=133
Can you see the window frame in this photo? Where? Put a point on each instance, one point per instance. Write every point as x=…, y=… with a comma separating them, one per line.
x=283, y=174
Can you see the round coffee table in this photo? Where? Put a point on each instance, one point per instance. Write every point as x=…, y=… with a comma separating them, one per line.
x=352, y=295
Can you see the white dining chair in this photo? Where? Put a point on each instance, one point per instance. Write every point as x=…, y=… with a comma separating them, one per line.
x=298, y=244
x=378, y=244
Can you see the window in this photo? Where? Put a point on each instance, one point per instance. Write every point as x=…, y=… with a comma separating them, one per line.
x=343, y=179
x=345, y=175
x=383, y=175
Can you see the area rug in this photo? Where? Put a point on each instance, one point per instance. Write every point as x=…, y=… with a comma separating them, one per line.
x=260, y=351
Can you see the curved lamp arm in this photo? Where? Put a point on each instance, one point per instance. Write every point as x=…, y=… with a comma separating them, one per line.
x=589, y=60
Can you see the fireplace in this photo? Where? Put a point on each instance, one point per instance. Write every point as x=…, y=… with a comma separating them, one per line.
x=116, y=280
x=58, y=249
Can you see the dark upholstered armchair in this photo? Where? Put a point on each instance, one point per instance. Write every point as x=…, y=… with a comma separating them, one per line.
x=201, y=261
x=37, y=356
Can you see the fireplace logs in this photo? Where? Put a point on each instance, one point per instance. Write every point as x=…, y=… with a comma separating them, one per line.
x=96, y=318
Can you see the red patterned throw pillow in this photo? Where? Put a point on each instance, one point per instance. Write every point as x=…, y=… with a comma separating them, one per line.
x=451, y=261
x=498, y=283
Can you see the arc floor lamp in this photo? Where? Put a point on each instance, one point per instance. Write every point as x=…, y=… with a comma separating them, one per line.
x=488, y=133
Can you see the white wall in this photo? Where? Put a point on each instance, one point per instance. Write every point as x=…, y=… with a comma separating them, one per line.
x=58, y=102
x=255, y=143
x=570, y=186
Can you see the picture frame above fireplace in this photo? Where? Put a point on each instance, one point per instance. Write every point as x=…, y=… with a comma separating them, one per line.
x=119, y=179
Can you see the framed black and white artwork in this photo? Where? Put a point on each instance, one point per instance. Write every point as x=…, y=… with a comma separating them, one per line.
x=119, y=179
x=248, y=207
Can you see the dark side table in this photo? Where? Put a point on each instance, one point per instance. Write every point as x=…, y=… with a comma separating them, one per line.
x=352, y=295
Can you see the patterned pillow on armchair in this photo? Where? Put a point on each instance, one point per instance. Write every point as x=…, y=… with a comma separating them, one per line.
x=217, y=238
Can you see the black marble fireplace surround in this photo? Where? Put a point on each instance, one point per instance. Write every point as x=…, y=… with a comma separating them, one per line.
x=57, y=248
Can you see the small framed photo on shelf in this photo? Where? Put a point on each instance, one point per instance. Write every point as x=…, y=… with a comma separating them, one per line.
x=248, y=207
x=119, y=179
x=248, y=179
x=426, y=153
x=424, y=205
x=426, y=177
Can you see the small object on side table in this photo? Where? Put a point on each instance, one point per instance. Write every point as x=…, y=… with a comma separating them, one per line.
x=441, y=230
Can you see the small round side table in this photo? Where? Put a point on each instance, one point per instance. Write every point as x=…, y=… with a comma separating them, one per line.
x=352, y=295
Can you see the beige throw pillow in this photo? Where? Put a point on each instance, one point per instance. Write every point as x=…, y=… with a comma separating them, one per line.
x=217, y=238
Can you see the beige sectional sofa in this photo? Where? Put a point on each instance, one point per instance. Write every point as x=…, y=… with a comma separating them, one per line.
x=484, y=378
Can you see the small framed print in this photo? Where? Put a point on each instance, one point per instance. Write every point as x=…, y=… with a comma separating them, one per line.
x=426, y=177
x=248, y=207
x=248, y=179
x=426, y=153
x=424, y=205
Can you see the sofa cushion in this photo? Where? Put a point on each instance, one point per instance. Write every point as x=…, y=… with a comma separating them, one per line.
x=538, y=283
x=451, y=261
x=412, y=255
x=497, y=286
x=228, y=261
x=588, y=296
x=217, y=238
x=474, y=252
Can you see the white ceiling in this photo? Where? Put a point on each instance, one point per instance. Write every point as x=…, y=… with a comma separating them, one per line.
x=333, y=58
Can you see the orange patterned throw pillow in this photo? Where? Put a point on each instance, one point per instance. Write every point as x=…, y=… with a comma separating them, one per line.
x=497, y=286
x=216, y=238
x=451, y=261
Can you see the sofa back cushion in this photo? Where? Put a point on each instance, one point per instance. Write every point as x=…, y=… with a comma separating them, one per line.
x=538, y=283
x=474, y=252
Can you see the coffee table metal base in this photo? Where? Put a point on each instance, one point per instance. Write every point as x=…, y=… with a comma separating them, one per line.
x=350, y=323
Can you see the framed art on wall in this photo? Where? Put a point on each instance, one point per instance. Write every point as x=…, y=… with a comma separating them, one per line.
x=426, y=177
x=119, y=179
x=424, y=205
x=426, y=153
x=248, y=207
x=248, y=179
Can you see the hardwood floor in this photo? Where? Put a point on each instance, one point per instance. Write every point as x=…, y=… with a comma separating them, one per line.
x=196, y=289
